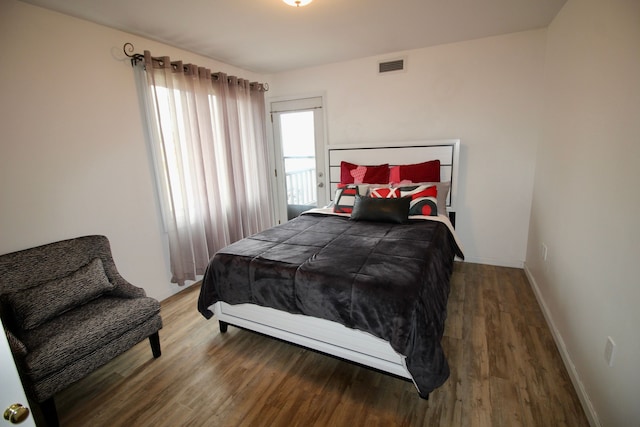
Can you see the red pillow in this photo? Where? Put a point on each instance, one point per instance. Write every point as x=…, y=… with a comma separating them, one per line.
x=418, y=172
x=357, y=174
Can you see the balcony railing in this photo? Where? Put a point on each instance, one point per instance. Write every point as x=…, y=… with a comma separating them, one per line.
x=301, y=187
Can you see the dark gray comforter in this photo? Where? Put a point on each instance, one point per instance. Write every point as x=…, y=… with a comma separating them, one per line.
x=391, y=280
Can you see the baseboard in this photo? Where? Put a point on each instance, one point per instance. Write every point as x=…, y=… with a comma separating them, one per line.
x=590, y=411
x=495, y=262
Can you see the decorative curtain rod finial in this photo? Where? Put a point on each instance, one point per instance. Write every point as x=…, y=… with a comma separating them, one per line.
x=129, y=50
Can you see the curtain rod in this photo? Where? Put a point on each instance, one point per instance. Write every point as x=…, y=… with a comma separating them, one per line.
x=128, y=50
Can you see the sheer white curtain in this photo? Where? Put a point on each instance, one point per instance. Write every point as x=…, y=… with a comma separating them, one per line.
x=208, y=139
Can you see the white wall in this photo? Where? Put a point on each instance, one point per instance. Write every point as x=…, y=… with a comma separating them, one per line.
x=486, y=92
x=73, y=158
x=586, y=202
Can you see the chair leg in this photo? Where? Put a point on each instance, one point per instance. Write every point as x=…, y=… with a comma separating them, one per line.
x=154, y=340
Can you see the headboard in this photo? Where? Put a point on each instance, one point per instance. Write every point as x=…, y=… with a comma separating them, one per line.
x=398, y=153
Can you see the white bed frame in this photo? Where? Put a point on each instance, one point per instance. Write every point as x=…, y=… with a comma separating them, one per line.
x=398, y=153
x=324, y=335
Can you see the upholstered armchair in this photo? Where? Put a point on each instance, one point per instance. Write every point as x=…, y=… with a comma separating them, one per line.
x=67, y=311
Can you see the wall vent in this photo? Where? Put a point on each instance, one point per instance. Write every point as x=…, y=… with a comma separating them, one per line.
x=388, y=66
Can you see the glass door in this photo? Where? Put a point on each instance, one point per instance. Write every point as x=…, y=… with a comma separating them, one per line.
x=299, y=147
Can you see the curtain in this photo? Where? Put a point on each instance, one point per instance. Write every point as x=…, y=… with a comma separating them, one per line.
x=207, y=136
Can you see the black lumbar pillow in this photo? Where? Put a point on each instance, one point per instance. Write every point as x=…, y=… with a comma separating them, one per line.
x=381, y=210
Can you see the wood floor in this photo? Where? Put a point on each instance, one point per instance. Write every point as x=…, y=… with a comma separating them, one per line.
x=505, y=371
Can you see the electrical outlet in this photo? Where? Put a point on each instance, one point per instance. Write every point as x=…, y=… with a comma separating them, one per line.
x=544, y=251
x=609, y=351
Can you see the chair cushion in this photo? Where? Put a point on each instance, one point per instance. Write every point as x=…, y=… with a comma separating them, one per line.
x=83, y=330
x=34, y=306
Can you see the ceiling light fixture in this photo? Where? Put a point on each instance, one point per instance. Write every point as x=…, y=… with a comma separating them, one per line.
x=297, y=3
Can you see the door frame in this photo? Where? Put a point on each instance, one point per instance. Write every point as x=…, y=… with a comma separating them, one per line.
x=275, y=157
x=12, y=390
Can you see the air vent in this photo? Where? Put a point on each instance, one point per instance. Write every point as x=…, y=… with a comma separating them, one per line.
x=388, y=66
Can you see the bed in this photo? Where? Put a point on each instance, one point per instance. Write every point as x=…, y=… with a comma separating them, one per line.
x=371, y=291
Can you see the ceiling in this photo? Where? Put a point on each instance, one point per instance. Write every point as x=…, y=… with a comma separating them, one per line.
x=268, y=36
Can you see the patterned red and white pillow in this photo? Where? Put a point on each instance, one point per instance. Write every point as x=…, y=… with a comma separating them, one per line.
x=345, y=199
x=423, y=197
x=384, y=193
